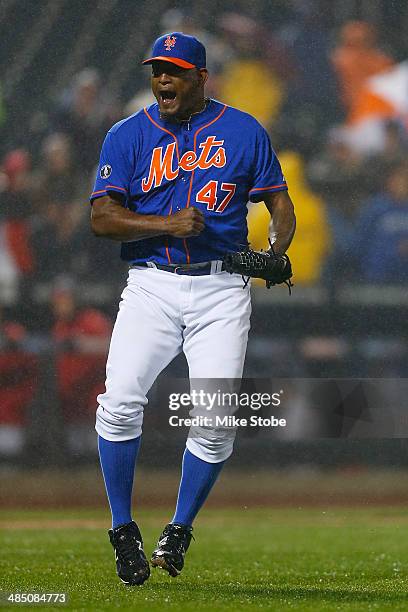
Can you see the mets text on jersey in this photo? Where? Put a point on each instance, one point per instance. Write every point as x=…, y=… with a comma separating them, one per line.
x=162, y=165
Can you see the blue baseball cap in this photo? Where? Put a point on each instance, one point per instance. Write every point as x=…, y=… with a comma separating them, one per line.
x=180, y=49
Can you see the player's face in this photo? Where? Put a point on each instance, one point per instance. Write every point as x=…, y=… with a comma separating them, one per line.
x=178, y=91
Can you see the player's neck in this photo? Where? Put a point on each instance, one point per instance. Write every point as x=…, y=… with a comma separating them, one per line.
x=186, y=117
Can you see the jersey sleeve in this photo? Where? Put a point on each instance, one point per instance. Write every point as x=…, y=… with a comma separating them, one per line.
x=268, y=176
x=114, y=170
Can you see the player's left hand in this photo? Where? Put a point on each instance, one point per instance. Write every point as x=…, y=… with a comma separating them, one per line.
x=273, y=268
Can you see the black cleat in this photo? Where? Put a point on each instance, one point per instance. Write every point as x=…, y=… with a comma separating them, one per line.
x=171, y=548
x=131, y=563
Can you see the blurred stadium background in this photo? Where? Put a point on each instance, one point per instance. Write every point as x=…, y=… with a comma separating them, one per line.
x=330, y=82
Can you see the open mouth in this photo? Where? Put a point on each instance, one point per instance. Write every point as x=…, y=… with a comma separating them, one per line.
x=167, y=98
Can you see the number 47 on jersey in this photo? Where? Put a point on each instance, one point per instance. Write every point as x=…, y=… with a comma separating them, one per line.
x=209, y=195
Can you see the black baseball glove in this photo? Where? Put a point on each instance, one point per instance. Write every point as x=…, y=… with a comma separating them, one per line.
x=274, y=269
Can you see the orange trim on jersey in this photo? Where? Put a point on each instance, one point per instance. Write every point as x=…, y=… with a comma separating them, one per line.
x=192, y=173
x=270, y=187
x=116, y=187
x=194, y=149
x=190, y=189
x=108, y=187
x=178, y=159
x=208, y=125
x=186, y=250
x=164, y=130
x=167, y=240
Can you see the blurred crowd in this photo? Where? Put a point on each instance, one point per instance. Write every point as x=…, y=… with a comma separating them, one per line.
x=334, y=98
x=335, y=102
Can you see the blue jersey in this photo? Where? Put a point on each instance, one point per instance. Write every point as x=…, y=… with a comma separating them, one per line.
x=216, y=162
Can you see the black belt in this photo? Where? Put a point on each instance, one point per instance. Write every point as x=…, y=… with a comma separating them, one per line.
x=197, y=269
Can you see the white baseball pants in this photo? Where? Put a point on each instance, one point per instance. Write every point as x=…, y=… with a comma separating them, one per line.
x=161, y=314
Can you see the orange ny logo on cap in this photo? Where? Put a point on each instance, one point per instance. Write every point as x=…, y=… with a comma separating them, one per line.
x=170, y=42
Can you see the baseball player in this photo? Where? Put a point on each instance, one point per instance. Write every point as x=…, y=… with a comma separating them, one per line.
x=172, y=185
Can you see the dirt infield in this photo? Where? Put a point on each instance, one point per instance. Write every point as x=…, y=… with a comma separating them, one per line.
x=302, y=517
x=158, y=488
x=53, y=524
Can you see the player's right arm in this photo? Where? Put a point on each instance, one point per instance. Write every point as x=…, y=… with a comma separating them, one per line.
x=110, y=219
x=109, y=216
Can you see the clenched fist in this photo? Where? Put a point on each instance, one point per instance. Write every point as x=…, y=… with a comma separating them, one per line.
x=185, y=223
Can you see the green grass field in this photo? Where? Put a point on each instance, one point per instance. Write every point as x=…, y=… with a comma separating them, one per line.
x=269, y=559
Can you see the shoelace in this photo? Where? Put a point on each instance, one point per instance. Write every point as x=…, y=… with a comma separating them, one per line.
x=175, y=539
x=126, y=547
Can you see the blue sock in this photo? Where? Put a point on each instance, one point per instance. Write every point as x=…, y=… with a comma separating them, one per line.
x=118, y=460
x=197, y=480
